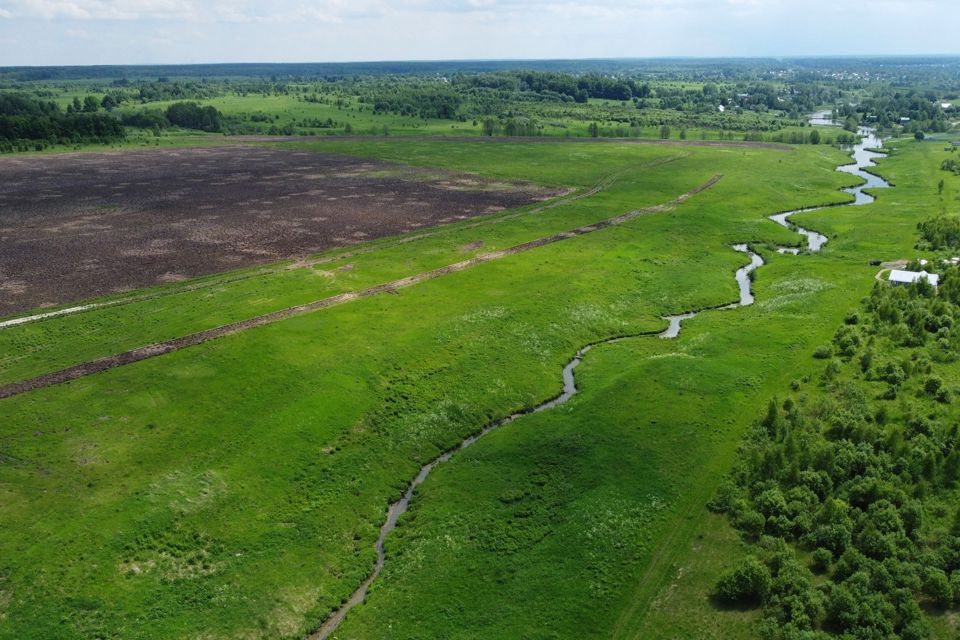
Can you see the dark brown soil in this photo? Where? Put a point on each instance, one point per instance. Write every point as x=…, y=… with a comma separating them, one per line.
x=75, y=226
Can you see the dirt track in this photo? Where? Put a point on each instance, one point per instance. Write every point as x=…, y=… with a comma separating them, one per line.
x=150, y=351
x=74, y=226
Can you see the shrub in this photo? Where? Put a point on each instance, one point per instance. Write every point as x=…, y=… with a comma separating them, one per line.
x=747, y=583
x=941, y=232
x=937, y=587
x=750, y=522
x=822, y=558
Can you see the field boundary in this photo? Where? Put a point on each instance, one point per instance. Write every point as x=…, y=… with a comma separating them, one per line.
x=175, y=344
x=736, y=144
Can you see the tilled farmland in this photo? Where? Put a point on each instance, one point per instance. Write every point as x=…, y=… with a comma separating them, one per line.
x=81, y=225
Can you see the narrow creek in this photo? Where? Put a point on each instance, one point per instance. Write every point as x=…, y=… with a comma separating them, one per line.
x=862, y=158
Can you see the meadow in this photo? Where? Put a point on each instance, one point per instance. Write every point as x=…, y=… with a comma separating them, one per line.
x=235, y=488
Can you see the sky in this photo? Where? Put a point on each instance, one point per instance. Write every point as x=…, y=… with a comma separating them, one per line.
x=60, y=32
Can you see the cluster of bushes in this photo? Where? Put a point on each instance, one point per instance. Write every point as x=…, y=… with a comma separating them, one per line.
x=941, y=232
x=188, y=115
x=952, y=165
x=191, y=115
x=518, y=126
x=423, y=101
x=848, y=484
x=560, y=85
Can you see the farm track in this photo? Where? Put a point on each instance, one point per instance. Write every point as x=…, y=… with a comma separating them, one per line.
x=160, y=348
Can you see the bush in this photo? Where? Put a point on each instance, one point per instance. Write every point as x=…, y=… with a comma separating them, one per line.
x=941, y=232
x=751, y=523
x=747, y=583
x=937, y=587
x=822, y=558
x=955, y=585
x=191, y=115
x=823, y=352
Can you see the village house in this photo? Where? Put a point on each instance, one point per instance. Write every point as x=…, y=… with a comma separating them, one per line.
x=900, y=277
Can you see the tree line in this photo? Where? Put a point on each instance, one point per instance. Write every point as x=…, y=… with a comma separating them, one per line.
x=27, y=123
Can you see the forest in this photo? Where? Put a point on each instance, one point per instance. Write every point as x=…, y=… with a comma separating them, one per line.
x=848, y=498
x=756, y=100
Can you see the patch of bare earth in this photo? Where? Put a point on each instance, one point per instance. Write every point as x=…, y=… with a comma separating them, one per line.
x=74, y=226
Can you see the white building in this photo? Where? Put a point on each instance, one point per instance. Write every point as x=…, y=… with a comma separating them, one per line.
x=900, y=277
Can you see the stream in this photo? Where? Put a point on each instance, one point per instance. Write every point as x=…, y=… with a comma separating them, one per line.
x=862, y=158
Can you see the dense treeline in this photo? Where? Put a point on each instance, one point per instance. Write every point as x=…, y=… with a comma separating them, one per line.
x=29, y=123
x=188, y=115
x=191, y=115
x=566, y=86
x=417, y=100
x=761, y=100
x=857, y=481
x=164, y=90
x=941, y=68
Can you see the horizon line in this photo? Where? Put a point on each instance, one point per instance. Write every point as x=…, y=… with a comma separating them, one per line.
x=771, y=57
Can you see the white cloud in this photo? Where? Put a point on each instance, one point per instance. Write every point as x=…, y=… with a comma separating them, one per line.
x=142, y=31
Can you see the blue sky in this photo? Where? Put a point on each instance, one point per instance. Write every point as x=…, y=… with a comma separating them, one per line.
x=39, y=32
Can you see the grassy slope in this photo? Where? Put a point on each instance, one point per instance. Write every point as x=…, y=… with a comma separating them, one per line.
x=236, y=488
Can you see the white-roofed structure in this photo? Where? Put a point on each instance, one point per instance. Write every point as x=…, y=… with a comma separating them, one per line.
x=899, y=277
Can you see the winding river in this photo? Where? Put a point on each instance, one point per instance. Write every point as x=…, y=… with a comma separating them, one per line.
x=862, y=158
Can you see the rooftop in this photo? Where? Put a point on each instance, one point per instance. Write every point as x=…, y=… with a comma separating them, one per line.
x=900, y=276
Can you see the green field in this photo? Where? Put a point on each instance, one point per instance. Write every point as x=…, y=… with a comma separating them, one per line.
x=235, y=489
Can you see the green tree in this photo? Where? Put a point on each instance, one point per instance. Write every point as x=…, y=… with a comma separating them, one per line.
x=747, y=583
x=937, y=587
x=91, y=104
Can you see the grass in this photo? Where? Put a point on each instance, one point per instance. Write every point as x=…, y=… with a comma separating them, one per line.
x=235, y=489
x=643, y=176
